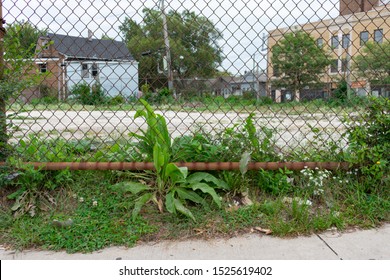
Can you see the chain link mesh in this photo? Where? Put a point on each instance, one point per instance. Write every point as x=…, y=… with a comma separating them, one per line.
x=294, y=70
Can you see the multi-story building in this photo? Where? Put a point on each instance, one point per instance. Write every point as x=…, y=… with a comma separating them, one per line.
x=344, y=38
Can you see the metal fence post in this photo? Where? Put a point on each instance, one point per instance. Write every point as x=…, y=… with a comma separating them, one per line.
x=3, y=117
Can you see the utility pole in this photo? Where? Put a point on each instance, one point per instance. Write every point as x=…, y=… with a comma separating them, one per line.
x=348, y=70
x=167, y=50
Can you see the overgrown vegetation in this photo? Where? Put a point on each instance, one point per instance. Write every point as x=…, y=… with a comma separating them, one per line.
x=86, y=211
x=88, y=95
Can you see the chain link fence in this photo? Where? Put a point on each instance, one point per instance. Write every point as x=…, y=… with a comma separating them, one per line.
x=281, y=80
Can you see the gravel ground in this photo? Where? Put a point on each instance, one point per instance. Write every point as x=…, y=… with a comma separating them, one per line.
x=290, y=130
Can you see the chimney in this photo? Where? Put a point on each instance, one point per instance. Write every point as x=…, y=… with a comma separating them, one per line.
x=90, y=35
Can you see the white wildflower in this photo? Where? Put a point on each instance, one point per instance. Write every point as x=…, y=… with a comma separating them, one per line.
x=318, y=192
x=308, y=202
x=81, y=199
x=94, y=203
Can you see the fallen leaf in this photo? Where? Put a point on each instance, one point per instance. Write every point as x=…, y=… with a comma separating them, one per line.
x=199, y=231
x=245, y=200
x=232, y=208
x=263, y=230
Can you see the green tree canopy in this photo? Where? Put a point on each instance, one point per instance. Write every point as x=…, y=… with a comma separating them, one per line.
x=26, y=34
x=299, y=61
x=193, y=41
x=17, y=71
x=373, y=63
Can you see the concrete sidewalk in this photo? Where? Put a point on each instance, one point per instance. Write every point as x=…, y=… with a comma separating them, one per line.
x=330, y=245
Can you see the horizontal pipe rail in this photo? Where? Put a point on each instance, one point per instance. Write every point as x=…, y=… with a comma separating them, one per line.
x=198, y=166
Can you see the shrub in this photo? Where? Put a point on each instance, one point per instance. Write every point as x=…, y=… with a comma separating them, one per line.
x=265, y=100
x=117, y=100
x=161, y=96
x=369, y=139
x=88, y=95
x=145, y=88
x=44, y=100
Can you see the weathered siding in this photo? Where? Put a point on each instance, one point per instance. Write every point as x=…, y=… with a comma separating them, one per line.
x=115, y=77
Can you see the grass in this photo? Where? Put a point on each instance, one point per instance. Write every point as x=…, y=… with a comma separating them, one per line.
x=107, y=221
x=206, y=104
x=80, y=211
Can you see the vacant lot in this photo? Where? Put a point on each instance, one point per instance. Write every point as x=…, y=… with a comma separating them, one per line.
x=289, y=129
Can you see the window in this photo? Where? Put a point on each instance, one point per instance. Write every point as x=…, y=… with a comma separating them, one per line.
x=320, y=42
x=95, y=70
x=344, y=65
x=363, y=38
x=276, y=72
x=335, y=42
x=346, y=40
x=45, y=45
x=43, y=67
x=84, y=70
x=378, y=35
x=334, y=67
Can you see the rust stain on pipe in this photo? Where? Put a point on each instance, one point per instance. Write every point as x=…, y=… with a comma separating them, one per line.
x=198, y=166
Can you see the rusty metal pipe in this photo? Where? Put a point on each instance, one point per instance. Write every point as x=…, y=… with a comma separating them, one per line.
x=199, y=166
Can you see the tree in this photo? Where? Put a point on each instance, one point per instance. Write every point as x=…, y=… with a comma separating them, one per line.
x=299, y=61
x=106, y=37
x=26, y=34
x=373, y=63
x=193, y=42
x=16, y=74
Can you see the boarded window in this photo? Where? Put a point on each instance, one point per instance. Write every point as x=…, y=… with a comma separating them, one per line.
x=95, y=70
x=43, y=67
x=84, y=70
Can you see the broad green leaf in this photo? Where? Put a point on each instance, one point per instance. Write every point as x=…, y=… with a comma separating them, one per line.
x=190, y=195
x=158, y=157
x=182, y=209
x=169, y=204
x=138, y=136
x=175, y=173
x=16, y=205
x=206, y=177
x=133, y=187
x=207, y=189
x=163, y=131
x=139, y=203
x=245, y=159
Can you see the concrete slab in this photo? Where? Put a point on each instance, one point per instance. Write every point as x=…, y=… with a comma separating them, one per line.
x=360, y=245
x=247, y=247
x=331, y=245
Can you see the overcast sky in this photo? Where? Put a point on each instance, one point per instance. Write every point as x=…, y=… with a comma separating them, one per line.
x=242, y=22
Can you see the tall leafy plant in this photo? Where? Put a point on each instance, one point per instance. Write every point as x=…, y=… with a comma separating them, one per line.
x=172, y=187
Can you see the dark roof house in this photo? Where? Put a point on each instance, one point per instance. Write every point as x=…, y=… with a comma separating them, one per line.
x=83, y=48
x=70, y=60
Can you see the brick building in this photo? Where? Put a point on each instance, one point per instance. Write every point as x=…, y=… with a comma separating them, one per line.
x=343, y=37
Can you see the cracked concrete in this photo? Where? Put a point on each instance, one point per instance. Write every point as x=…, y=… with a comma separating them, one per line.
x=330, y=245
x=289, y=130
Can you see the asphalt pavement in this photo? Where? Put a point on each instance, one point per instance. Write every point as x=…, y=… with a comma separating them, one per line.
x=353, y=244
